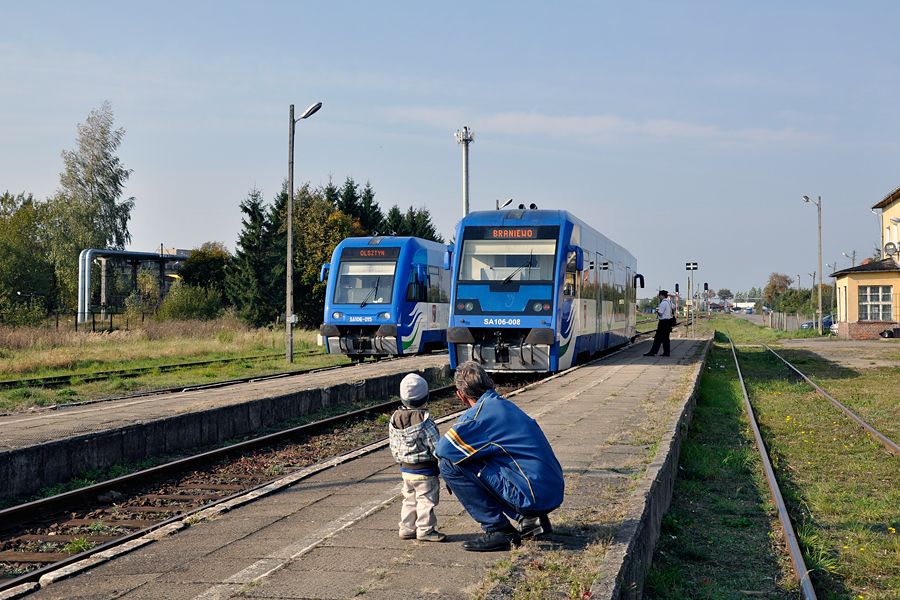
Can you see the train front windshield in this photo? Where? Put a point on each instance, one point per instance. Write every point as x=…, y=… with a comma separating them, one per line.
x=506, y=269
x=366, y=276
x=507, y=260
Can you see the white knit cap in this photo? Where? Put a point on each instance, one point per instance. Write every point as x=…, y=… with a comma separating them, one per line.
x=413, y=391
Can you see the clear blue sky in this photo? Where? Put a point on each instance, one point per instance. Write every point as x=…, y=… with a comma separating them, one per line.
x=685, y=131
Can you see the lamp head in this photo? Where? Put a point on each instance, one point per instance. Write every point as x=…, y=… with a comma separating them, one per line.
x=311, y=110
x=806, y=198
x=895, y=220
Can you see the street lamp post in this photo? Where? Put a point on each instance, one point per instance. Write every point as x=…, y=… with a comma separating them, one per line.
x=813, y=275
x=819, y=210
x=851, y=256
x=289, y=317
x=880, y=227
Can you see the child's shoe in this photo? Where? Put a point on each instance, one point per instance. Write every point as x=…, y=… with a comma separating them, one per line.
x=407, y=535
x=432, y=536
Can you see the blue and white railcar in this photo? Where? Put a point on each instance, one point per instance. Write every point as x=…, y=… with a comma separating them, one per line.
x=386, y=296
x=535, y=290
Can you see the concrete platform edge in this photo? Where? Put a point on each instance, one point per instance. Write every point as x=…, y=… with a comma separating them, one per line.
x=622, y=574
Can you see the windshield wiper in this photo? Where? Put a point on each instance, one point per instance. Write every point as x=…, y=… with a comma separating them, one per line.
x=527, y=263
x=371, y=294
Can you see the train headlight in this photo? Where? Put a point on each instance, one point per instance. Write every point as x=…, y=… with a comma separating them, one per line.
x=337, y=315
x=384, y=315
x=537, y=306
x=469, y=306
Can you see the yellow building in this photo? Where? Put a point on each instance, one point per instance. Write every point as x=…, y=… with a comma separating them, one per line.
x=868, y=295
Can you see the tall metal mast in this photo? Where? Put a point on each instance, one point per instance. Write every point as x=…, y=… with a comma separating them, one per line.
x=465, y=137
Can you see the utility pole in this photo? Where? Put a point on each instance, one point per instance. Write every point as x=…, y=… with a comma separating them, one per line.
x=465, y=137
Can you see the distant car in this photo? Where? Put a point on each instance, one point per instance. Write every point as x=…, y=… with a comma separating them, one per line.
x=749, y=310
x=827, y=322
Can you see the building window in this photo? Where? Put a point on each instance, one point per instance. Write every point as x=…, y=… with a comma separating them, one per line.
x=875, y=303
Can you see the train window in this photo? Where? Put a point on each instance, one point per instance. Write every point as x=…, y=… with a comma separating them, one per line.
x=497, y=260
x=434, y=285
x=416, y=291
x=364, y=282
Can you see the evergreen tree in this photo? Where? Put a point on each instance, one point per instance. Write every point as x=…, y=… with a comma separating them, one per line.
x=420, y=225
x=348, y=203
x=248, y=277
x=370, y=216
x=395, y=224
x=331, y=193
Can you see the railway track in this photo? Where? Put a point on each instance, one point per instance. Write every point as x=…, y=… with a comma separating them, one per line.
x=801, y=572
x=41, y=536
x=63, y=380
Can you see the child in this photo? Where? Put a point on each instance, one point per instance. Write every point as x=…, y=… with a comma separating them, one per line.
x=413, y=438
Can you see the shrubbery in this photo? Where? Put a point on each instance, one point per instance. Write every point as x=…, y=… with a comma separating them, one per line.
x=184, y=302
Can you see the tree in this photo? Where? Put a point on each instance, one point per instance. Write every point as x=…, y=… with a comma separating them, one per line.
x=370, y=216
x=251, y=273
x=205, y=267
x=321, y=228
x=778, y=284
x=26, y=276
x=415, y=223
x=85, y=212
x=725, y=294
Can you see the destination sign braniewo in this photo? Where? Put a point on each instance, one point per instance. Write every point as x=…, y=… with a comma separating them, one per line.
x=517, y=233
x=501, y=232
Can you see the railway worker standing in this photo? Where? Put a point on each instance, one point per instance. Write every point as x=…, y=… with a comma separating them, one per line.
x=413, y=437
x=499, y=464
x=665, y=312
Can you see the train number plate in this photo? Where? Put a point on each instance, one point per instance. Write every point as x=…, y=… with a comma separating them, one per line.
x=502, y=321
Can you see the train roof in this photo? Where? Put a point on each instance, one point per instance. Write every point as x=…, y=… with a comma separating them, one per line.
x=514, y=217
x=391, y=241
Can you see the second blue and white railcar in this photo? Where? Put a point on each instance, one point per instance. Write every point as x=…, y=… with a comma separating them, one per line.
x=386, y=296
x=534, y=290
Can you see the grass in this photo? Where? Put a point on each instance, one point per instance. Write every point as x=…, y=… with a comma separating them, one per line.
x=43, y=352
x=720, y=535
x=716, y=539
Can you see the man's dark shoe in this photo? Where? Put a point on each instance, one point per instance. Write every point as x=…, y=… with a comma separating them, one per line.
x=494, y=541
x=665, y=355
x=529, y=528
x=649, y=354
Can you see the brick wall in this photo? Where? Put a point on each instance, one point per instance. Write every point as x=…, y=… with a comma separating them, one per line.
x=864, y=330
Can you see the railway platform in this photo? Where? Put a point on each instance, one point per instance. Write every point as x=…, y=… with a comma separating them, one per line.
x=45, y=446
x=330, y=531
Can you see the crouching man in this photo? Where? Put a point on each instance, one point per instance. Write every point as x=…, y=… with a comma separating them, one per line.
x=499, y=464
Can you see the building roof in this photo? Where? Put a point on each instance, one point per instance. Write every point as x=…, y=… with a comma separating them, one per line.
x=876, y=266
x=884, y=202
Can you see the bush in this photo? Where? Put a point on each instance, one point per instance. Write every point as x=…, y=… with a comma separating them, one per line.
x=185, y=302
x=17, y=314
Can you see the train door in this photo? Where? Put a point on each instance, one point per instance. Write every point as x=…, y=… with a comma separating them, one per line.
x=629, y=302
x=606, y=304
x=588, y=300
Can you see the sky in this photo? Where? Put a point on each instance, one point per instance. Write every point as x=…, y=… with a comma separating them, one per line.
x=684, y=131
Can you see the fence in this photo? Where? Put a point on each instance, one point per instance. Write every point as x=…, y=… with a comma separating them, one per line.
x=789, y=321
x=112, y=322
